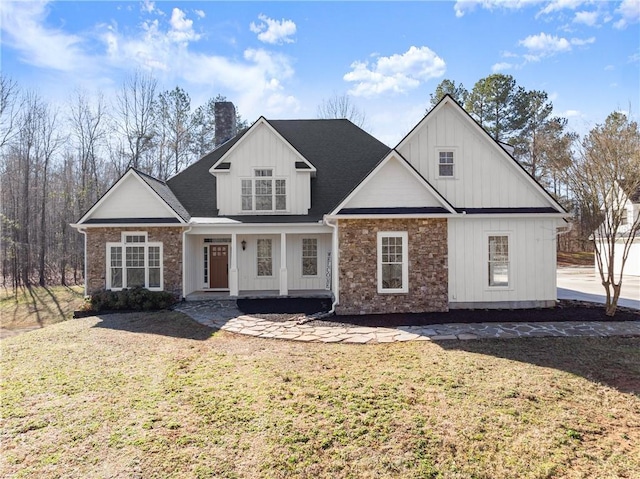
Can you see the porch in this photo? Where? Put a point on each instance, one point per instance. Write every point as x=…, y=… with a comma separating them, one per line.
x=263, y=294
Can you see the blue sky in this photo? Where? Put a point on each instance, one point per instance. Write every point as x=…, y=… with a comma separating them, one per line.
x=281, y=59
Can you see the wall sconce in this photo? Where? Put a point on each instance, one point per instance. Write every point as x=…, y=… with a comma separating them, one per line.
x=244, y=244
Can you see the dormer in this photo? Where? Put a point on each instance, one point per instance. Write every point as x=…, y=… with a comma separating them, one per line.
x=263, y=174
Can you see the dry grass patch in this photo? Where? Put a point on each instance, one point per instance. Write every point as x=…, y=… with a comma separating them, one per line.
x=36, y=307
x=156, y=395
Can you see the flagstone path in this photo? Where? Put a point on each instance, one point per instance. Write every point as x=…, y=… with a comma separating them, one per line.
x=224, y=315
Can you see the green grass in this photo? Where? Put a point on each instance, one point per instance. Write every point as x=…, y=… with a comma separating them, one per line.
x=155, y=395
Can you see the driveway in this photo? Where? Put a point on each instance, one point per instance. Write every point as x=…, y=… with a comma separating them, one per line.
x=581, y=283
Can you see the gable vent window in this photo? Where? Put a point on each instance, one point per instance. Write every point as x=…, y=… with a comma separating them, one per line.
x=134, y=262
x=263, y=192
x=445, y=164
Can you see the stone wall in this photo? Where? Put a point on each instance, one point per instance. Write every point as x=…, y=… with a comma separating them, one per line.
x=170, y=237
x=428, y=271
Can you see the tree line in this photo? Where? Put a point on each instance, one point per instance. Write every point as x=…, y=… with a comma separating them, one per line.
x=55, y=162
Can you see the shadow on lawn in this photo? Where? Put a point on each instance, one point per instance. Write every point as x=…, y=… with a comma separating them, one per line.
x=613, y=361
x=164, y=323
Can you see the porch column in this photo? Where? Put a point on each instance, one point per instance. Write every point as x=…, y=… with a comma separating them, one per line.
x=284, y=289
x=233, y=267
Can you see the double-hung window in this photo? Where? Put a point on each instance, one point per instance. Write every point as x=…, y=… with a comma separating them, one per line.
x=263, y=192
x=445, y=163
x=264, y=257
x=133, y=262
x=309, y=257
x=498, y=261
x=393, y=262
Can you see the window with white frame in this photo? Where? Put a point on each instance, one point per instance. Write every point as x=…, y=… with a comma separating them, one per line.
x=445, y=163
x=498, y=261
x=133, y=262
x=393, y=262
x=263, y=192
x=309, y=257
x=264, y=257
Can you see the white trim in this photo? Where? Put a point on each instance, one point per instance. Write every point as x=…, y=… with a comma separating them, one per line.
x=455, y=164
x=261, y=121
x=123, y=248
x=405, y=261
x=447, y=100
x=448, y=215
x=114, y=187
x=393, y=154
x=487, y=285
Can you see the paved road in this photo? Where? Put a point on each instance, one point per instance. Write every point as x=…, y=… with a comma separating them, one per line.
x=580, y=283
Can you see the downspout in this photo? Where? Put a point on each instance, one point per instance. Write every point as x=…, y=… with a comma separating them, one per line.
x=84, y=233
x=184, y=261
x=334, y=266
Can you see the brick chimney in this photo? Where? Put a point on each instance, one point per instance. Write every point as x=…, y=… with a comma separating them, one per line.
x=225, y=118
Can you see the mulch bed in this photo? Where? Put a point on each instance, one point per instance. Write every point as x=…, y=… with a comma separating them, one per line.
x=285, y=309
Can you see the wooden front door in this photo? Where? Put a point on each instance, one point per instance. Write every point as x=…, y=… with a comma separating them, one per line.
x=219, y=257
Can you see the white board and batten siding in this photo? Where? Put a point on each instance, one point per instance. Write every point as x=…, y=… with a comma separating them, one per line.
x=262, y=148
x=392, y=186
x=295, y=279
x=532, y=261
x=484, y=177
x=133, y=200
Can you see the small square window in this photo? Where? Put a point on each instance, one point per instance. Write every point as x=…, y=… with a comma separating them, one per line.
x=445, y=164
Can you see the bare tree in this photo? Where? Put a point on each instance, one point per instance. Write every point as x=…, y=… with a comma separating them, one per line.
x=340, y=106
x=135, y=105
x=605, y=173
x=174, y=120
x=9, y=109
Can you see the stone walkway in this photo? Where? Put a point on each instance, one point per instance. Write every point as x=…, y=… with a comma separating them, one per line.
x=225, y=316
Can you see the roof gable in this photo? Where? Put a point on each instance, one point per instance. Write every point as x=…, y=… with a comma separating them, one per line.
x=151, y=197
x=224, y=163
x=394, y=185
x=481, y=163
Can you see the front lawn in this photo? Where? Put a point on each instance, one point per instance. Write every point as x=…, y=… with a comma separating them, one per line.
x=155, y=395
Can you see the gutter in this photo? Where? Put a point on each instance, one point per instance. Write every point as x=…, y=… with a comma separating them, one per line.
x=84, y=233
x=184, y=261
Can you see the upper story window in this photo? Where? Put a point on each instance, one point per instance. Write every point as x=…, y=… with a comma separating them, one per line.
x=445, y=164
x=263, y=192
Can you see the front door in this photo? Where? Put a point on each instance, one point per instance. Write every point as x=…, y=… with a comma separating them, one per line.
x=219, y=256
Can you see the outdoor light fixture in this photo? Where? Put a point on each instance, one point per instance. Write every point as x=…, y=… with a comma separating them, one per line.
x=244, y=245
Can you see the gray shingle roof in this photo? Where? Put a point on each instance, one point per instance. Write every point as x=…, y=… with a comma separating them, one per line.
x=163, y=190
x=342, y=154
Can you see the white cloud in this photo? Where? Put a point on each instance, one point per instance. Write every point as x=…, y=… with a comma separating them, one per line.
x=587, y=18
x=199, y=13
x=181, y=27
x=463, y=7
x=544, y=45
x=22, y=26
x=635, y=58
x=273, y=31
x=558, y=5
x=629, y=10
x=502, y=66
x=609, y=68
x=148, y=6
x=571, y=114
x=396, y=73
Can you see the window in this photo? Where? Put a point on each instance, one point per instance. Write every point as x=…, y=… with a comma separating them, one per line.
x=393, y=265
x=499, y=261
x=624, y=217
x=206, y=264
x=264, y=258
x=134, y=262
x=445, y=164
x=263, y=192
x=309, y=257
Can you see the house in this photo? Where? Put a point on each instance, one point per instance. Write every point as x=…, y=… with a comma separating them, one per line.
x=629, y=201
x=446, y=219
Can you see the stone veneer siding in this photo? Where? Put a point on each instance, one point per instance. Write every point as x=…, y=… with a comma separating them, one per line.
x=358, y=269
x=170, y=237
